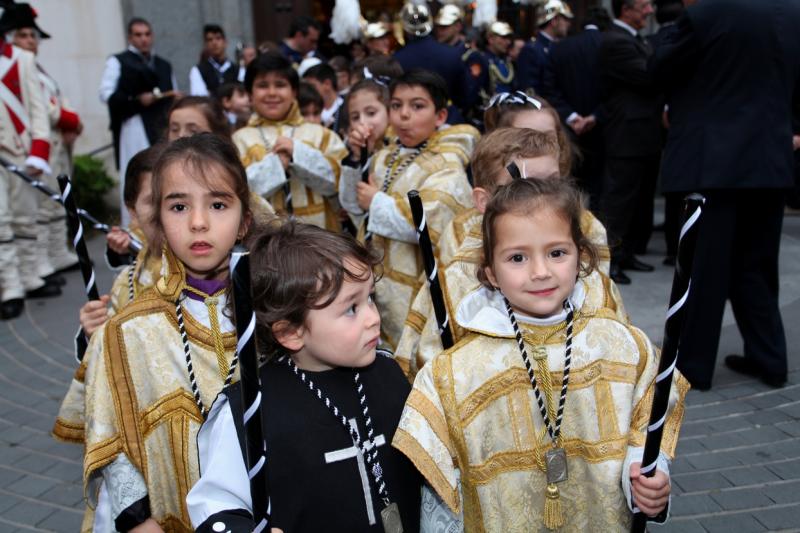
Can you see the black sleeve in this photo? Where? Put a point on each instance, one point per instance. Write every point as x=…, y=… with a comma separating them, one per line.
x=551, y=89
x=233, y=521
x=133, y=515
x=676, y=55
x=116, y=260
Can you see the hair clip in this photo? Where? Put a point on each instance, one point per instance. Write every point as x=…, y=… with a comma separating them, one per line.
x=515, y=98
x=380, y=80
x=513, y=169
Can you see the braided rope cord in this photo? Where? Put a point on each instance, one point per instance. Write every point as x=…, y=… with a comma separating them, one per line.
x=371, y=455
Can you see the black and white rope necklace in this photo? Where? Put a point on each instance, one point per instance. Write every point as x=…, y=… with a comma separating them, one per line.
x=553, y=427
x=131, y=289
x=390, y=514
x=287, y=186
x=392, y=174
x=190, y=368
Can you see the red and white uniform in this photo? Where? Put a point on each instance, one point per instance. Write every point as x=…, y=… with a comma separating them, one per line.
x=55, y=254
x=24, y=140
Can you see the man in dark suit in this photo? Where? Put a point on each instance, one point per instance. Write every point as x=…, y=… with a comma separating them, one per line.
x=730, y=68
x=553, y=20
x=633, y=138
x=572, y=85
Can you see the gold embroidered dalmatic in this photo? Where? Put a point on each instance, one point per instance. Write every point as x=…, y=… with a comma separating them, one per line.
x=69, y=423
x=309, y=205
x=439, y=176
x=459, y=257
x=472, y=416
x=139, y=398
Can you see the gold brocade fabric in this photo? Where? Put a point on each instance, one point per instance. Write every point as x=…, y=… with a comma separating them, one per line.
x=439, y=176
x=309, y=206
x=139, y=400
x=459, y=256
x=472, y=413
x=70, y=420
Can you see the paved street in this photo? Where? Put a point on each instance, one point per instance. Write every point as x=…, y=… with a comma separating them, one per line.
x=738, y=465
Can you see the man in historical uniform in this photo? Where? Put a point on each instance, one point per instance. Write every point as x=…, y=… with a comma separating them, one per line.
x=24, y=142
x=553, y=19
x=138, y=87
x=499, y=36
x=65, y=126
x=449, y=26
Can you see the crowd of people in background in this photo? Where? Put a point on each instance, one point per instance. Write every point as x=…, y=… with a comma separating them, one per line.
x=537, y=163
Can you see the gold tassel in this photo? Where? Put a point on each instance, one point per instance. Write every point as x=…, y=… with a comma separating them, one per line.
x=553, y=514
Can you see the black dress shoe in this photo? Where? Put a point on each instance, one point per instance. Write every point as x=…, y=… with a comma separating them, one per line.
x=743, y=365
x=669, y=261
x=619, y=277
x=12, y=308
x=55, y=278
x=48, y=290
x=635, y=264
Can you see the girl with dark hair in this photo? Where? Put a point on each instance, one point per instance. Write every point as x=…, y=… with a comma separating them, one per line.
x=155, y=368
x=197, y=114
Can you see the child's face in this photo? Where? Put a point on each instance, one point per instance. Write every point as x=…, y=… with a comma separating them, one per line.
x=185, y=122
x=542, y=167
x=342, y=79
x=215, y=45
x=311, y=113
x=346, y=332
x=535, y=119
x=142, y=212
x=364, y=107
x=272, y=96
x=238, y=104
x=535, y=261
x=201, y=220
x=413, y=115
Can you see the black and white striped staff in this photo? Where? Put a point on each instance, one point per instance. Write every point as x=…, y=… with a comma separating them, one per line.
x=135, y=245
x=676, y=314
x=256, y=445
x=431, y=268
x=76, y=229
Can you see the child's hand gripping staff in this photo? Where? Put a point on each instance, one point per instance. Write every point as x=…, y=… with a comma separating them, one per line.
x=255, y=443
x=76, y=228
x=681, y=284
x=431, y=269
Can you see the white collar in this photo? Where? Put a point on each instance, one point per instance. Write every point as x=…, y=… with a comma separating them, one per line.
x=136, y=51
x=591, y=27
x=330, y=112
x=626, y=26
x=547, y=36
x=484, y=311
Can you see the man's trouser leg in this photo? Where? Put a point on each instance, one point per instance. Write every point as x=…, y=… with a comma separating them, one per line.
x=24, y=205
x=10, y=282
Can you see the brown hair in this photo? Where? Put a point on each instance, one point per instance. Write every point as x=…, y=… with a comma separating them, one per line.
x=502, y=116
x=210, y=108
x=139, y=165
x=196, y=154
x=298, y=267
x=525, y=197
x=497, y=149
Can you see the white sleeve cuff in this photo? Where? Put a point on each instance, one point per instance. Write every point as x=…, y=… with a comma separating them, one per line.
x=635, y=455
x=386, y=220
x=266, y=176
x=38, y=163
x=348, y=182
x=124, y=483
x=572, y=116
x=223, y=483
x=311, y=167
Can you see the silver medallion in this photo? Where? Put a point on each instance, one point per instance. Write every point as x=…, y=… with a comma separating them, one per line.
x=390, y=516
x=556, y=462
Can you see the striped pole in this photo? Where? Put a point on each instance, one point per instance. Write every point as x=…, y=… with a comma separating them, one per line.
x=135, y=245
x=431, y=269
x=364, y=166
x=676, y=315
x=76, y=228
x=256, y=445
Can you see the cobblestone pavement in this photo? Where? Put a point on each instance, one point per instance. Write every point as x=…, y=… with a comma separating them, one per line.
x=738, y=464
